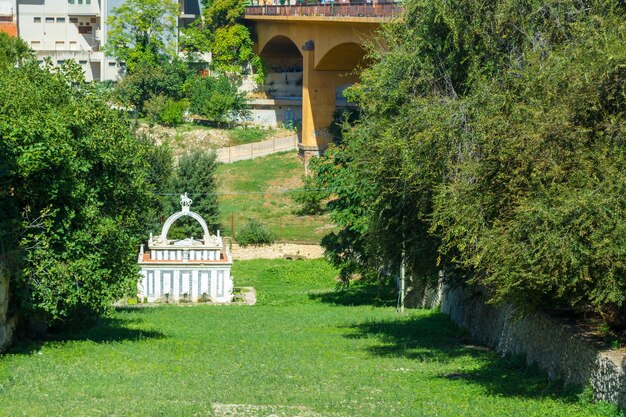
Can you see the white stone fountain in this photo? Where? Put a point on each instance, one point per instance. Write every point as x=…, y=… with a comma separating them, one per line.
x=187, y=269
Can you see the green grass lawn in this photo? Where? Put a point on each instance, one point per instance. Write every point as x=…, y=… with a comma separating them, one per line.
x=260, y=184
x=303, y=350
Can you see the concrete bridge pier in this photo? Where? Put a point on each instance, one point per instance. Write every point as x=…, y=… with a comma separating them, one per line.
x=318, y=102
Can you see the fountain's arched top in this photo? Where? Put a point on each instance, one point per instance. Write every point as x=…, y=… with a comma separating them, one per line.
x=185, y=203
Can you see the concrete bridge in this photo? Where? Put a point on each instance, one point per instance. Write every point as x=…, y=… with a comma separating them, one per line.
x=326, y=41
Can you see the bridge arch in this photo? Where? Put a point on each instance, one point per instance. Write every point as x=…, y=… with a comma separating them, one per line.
x=345, y=56
x=281, y=53
x=279, y=45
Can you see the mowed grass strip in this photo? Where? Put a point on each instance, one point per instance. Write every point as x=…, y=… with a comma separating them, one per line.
x=256, y=189
x=303, y=350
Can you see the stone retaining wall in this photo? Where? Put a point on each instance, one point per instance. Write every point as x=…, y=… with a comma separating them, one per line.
x=277, y=250
x=7, y=325
x=553, y=346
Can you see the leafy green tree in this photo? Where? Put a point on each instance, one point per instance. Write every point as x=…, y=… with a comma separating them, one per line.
x=143, y=32
x=74, y=195
x=143, y=35
x=491, y=144
x=221, y=32
x=310, y=198
x=160, y=174
x=217, y=99
x=13, y=51
x=151, y=80
x=195, y=175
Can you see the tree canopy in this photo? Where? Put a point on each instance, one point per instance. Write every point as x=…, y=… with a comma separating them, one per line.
x=75, y=194
x=491, y=145
x=220, y=31
x=13, y=51
x=143, y=32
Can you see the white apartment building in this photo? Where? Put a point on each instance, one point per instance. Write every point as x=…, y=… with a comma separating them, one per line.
x=76, y=29
x=66, y=29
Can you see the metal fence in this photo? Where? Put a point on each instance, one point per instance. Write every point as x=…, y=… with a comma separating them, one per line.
x=372, y=9
x=257, y=149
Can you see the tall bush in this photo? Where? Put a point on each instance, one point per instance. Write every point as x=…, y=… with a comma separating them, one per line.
x=491, y=143
x=254, y=233
x=216, y=99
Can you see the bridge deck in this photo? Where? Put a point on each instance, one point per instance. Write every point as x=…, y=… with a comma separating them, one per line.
x=366, y=12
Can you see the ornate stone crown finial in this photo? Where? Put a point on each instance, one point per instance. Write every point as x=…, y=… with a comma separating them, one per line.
x=185, y=202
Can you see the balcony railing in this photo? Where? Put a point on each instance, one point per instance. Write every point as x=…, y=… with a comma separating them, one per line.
x=377, y=10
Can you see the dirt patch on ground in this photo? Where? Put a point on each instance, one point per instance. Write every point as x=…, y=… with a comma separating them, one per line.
x=254, y=410
x=187, y=138
x=288, y=183
x=183, y=141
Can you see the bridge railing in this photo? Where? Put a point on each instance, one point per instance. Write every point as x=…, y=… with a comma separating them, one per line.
x=377, y=9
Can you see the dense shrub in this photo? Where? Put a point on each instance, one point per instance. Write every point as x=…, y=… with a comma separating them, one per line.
x=216, y=99
x=174, y=112
x=254, y=233
x=166, y=111
x=149, y=81
x=342, y=120
x=153, y=108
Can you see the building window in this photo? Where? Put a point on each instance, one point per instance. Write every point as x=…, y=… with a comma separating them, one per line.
x=73, y=20
x=60, y=62
x=150, y=283
x=49, y=19
x=70, y=1
x=94, y=20
x=112, y=64
x=60, y=20
x=220, y=283
x=37, y=19
x=81, y=62
x=35, y=44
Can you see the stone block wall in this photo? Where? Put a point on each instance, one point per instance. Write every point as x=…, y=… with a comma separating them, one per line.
x=553, y=346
